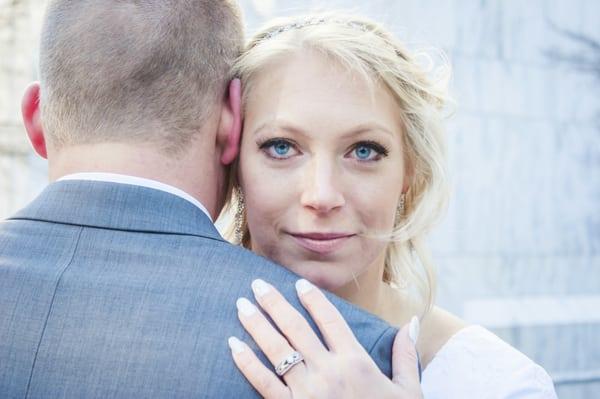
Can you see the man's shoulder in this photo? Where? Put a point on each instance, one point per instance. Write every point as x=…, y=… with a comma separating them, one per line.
x=200, y=250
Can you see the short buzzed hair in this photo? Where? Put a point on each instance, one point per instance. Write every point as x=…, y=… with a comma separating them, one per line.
x=148, y=71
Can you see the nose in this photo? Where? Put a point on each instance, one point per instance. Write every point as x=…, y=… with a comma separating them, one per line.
x=321, y=191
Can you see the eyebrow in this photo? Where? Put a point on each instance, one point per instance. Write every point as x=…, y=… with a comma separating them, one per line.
x=357, y=130
x=280, y=124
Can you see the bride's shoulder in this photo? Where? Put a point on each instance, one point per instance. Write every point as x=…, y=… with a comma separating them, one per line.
x=471, y=360
x=438, y=327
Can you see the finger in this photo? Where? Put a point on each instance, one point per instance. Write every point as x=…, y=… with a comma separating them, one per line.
x=335, y=330
x=291, y=323
x=262, y=379
x=268, y=339
x=405, y=360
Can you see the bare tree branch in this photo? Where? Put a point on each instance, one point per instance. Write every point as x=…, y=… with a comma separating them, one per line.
x=586, y=60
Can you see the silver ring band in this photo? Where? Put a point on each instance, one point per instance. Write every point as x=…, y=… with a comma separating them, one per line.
x=293, y=359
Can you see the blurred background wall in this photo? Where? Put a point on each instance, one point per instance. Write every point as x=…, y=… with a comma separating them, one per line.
x=22, y=174
x=519, y=251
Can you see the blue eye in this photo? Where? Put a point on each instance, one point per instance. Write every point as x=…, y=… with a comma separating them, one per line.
x=368, y=151
x=279, y=148
x=363, y=152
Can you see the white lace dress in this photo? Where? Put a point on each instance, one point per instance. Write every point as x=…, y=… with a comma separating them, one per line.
x=476, y=364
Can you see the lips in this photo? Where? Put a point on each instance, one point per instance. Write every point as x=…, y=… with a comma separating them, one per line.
x=321, y=243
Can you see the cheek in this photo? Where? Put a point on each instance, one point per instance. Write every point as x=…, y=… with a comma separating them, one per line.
x=267, y=210
x=267, y=195
x=263, y=209
x=376, y=202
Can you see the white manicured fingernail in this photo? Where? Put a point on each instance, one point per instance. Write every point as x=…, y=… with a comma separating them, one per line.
x=245, y=307
x=303, y=286
x=235, y=345
x=413, y=330
x=260, y=288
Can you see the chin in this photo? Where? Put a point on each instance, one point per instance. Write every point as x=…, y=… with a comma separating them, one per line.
x=324, y=283
x=322, y=277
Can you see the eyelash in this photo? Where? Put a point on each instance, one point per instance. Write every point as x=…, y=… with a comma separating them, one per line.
x=381, y=150
x=264, y=146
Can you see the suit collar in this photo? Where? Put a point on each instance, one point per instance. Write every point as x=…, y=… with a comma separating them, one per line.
x=136, y=181
x=119, y=207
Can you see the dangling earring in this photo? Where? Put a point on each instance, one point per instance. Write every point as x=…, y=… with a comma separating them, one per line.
x=239, y=215
x=402, y=203
x=400, y=209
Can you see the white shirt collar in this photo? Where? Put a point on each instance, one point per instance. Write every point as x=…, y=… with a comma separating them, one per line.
x=136, y=181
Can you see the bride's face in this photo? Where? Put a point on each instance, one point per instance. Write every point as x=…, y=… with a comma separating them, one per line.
x=321, y=165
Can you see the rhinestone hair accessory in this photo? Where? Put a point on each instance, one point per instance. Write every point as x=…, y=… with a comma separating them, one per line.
x=359, y=26
x=314, y=22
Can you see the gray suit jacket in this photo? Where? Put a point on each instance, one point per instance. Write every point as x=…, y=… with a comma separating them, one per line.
x=117, y=291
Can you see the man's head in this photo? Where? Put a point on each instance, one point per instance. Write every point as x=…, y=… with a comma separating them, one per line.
x=150, y=73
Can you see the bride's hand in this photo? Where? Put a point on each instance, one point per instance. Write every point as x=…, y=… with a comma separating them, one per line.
x=345, y=370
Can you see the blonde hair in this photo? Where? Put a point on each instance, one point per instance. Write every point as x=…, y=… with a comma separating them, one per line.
x=364, y=47
x=131, y=71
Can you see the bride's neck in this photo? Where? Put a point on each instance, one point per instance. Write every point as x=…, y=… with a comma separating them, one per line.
x=370, y=293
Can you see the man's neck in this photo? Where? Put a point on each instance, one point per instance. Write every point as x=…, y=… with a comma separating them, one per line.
x=193, y=173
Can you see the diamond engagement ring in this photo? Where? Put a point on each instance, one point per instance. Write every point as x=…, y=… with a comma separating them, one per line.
x=293, y=359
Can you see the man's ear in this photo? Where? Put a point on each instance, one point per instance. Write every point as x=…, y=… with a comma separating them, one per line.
x=30, y=109
x=230, y=125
